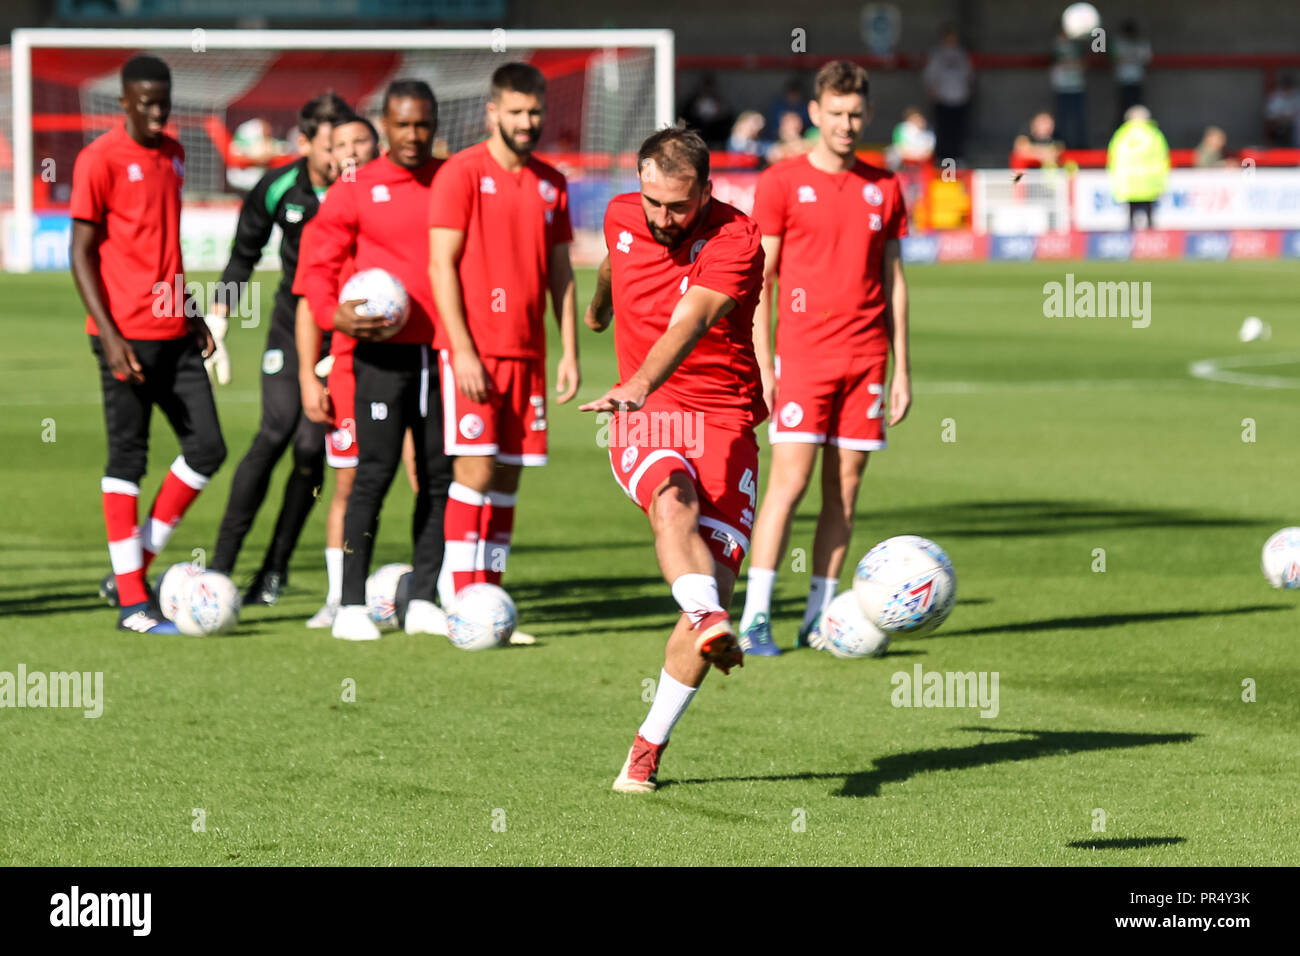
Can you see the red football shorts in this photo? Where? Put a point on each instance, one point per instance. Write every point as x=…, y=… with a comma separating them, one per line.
x=510, y=425
x=341, y=446
x=647, y=446
x=828, y=401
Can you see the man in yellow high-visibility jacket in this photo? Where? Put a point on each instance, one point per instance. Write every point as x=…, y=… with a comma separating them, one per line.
x=1138, y=164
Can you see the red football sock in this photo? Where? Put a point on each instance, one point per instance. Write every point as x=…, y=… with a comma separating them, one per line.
x=461, y=530
x=179, y=489
x=497, y=525
x=120, y=500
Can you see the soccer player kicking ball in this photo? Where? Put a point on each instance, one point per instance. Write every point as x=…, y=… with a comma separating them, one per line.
x=831, y=226
x=149, y=338
x=499, y=236
x=379, y=219
x=288, y=197
x=683, y=274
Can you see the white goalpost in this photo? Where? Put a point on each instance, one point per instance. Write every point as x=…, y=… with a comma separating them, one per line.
x=614, y=88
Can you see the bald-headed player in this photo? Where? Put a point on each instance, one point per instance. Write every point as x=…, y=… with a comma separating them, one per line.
x=683, y=275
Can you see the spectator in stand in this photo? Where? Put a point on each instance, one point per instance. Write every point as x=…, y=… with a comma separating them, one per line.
x=789, y=139
x=948, y=75
x=1131, y=54
x=1069, y=84
x=253, y=142
x=744, y=135
x=913, y=141
x=1282, y=114
x=1038, y=144
x=708, y=113
x=1138, y=165
x=793, y=99
x=1209, y=152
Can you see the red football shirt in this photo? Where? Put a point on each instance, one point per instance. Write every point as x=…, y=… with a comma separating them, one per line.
x=379, y=221
x=833, y=229
x=340, y=344
x=510, y=221
x=132, y=194
x=720, y=375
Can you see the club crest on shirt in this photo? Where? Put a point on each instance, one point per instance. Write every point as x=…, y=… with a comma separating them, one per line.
x=807, y=194
x=624, y=241
x=546, y=189
x=179, y=167
x=791, y=414
x=487, y=185
x=133, y=173
x=629, y=458
x=872, y=194
x=471, y=426
x=379, y=193
x=293, y=213
x=695, y=249
x=272, y=361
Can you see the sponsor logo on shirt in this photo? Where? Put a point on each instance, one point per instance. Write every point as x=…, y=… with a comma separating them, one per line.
x=471, y=426
x=133, y=173
x=695, y=249
x=791, y=414
x=807, y=194
x=272, y=361
x=379, y=193
x=378, y=411
x=547, y=190
x=624, y=241
x=872, y=194
x=487, y=185
x=874, y=222
x=629, y=458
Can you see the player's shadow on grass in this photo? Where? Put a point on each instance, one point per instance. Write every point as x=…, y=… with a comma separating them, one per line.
x=1125, y=843
x=1090, y=621
x=53, y=602
x=594, y=599
x=979, y=519
x=1032, y=744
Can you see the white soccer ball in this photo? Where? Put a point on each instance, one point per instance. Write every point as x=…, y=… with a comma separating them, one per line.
x=1281, y=559
x=846, y=632
x=484, y=616
x=385, y=296
x=173, y=587
x=381, y=593
x=906, y=585
x=1079, y=20
x=210, y=605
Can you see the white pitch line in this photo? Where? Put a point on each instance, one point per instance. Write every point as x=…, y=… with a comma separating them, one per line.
x=1214, y=370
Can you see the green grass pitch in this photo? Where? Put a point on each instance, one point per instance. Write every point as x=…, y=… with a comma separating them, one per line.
x=1120, y=690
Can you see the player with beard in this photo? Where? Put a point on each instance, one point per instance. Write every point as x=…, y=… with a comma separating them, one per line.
x=683, y=275
x=499, y=239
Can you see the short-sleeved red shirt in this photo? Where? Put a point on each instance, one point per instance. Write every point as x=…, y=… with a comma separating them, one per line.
x=833, y=229
x=132, y=194
x=720, y=376
x=510, y=221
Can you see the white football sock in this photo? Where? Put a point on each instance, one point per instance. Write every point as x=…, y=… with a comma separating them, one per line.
x=697, y=595
x=758, y=595
x=334, y=573
x=820, y=594
x=672, y=697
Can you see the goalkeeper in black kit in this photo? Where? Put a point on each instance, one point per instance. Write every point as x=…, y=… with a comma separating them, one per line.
x=289, y=197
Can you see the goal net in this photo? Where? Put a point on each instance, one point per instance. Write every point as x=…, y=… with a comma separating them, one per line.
x=236, y=95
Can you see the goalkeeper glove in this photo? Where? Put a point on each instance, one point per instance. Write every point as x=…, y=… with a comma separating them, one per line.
x=218, y=363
